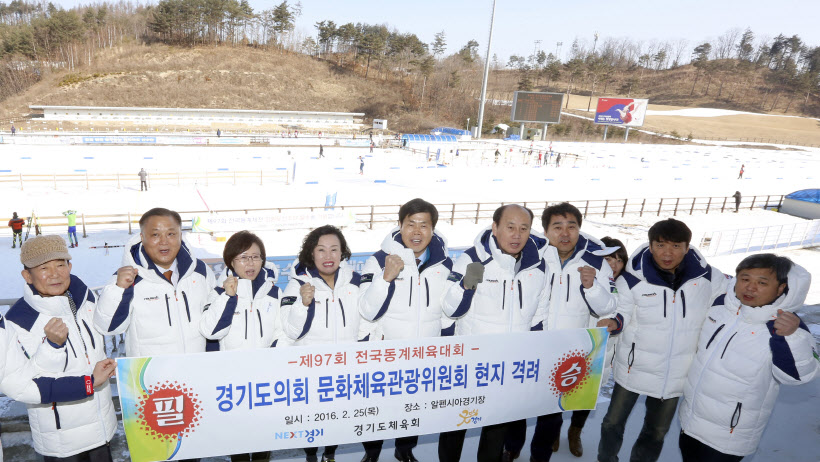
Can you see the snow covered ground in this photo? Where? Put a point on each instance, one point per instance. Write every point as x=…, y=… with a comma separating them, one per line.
x=602, y=171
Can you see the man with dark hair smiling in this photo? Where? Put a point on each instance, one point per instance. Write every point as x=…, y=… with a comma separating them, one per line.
x=158, y=295
x=506, y=257
x=664, y=294
x=401, y=290
x=728, y=397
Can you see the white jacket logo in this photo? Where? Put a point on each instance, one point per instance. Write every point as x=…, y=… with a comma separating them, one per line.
x=653, y=294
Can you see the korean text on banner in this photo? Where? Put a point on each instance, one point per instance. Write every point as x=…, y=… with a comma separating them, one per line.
x=180, y=406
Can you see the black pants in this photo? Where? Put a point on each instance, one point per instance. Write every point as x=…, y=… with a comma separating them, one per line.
x=491, y=443
x=450, y=445
x=693, y=450
x=254, y=456
x=98, y=454
x=547, y=430
x=404, y=444
x=143, y=184
x=328, y=450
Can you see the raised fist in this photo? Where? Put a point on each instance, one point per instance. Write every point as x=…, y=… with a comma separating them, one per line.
x=230, y=285
x=307, y=291
x=126, y=276
x=587, y=276
x=393, y=265
x=56, y=331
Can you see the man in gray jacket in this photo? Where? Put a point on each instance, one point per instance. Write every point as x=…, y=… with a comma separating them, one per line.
x=143, y=179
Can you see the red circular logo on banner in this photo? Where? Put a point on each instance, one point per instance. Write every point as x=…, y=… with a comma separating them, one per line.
x=571, y=371
x=169, y=411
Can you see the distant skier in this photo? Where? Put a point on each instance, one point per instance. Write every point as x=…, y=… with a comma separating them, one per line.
x=13, y=130
x=372, y=145
x=321, y=151
x=496, y=155
x=218, y=133
x=16, y=225
x=143, y=179
x=558, y=160
x=361, y=165
x=742, y=169
x=72, y=228
x=737, y=200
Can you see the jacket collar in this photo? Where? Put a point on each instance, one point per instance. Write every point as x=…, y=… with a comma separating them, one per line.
x=797, y=287
x=55, y=305
x=642, y=266
x=393, y=244
x=184, y=259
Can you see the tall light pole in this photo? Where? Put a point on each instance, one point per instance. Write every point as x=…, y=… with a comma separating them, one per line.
x=486, y=75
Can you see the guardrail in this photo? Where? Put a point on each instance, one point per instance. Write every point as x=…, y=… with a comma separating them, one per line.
x=278, y=175
x=371, y=215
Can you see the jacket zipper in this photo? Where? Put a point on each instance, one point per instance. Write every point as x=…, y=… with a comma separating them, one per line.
x=664, y=303
x=85, y=348
x=714, y=335
x=168, y=309
x=56, y=415
x=727, y=345
x=187, y=310
x=671, y=339
x=427, y=290
x=630, y=358
x=520, y=297
x=683, y=302
x=246, y=324
x=735, y=418
x=327, y=314
x=567, y=287
x=259, y=316
x=504, y=295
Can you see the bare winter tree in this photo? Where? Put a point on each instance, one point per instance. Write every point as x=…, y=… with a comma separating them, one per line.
x=727, y=43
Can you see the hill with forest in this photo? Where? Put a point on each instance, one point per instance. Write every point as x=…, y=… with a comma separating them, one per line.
x=197, y=54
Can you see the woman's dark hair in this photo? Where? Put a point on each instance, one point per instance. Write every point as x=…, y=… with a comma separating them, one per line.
x=670, y=230
x=415, y=206
x=312, y=240
x=779, y=265
x=621, y=253
x=238, y=243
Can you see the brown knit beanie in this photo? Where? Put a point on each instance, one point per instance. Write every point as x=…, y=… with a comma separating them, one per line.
x=42, y=249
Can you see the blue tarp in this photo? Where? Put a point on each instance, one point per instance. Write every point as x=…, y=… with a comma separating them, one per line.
x=449, y=131
x=513, y=138
x=806, y=195
x=429, y=138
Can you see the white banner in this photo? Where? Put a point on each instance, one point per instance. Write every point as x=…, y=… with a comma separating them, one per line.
x=226, y=222
x=181, y=406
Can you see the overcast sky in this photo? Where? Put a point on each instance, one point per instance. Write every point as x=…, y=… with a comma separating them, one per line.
x=518, y=24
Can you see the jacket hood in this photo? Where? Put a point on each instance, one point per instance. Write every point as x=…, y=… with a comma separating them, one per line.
x=392, y=244
x=136, y=256
x=586, y=243
x=641, y=266
x=793, y=298
x=54, y=305
x=268, y=272
x=487, y=248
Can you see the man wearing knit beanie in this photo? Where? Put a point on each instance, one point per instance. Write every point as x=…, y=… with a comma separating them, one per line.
x=58, y=308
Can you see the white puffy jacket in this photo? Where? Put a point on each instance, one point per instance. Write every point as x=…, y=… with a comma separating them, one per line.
x=505, y=300
x=65, y=429
x=410, y=305
x=157, y=317
x=333, y=315
x=660, y=325
x=248, y=320
x=571, y=305
x=734, y=380
x=20, y=380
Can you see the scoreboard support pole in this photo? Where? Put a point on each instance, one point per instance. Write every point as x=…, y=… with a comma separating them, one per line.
x=521, y=130
x=626, y=133
x=544, y=132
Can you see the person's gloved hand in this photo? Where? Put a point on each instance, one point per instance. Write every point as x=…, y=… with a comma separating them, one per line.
x=473, y=276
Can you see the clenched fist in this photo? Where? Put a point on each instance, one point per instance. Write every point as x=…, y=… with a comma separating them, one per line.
x=103, y=371
x=587, y=276
x=307, y=291
x=126, y=276
x=786, y=323
x=393, y=265
x=56, y=331
x=230, y=285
